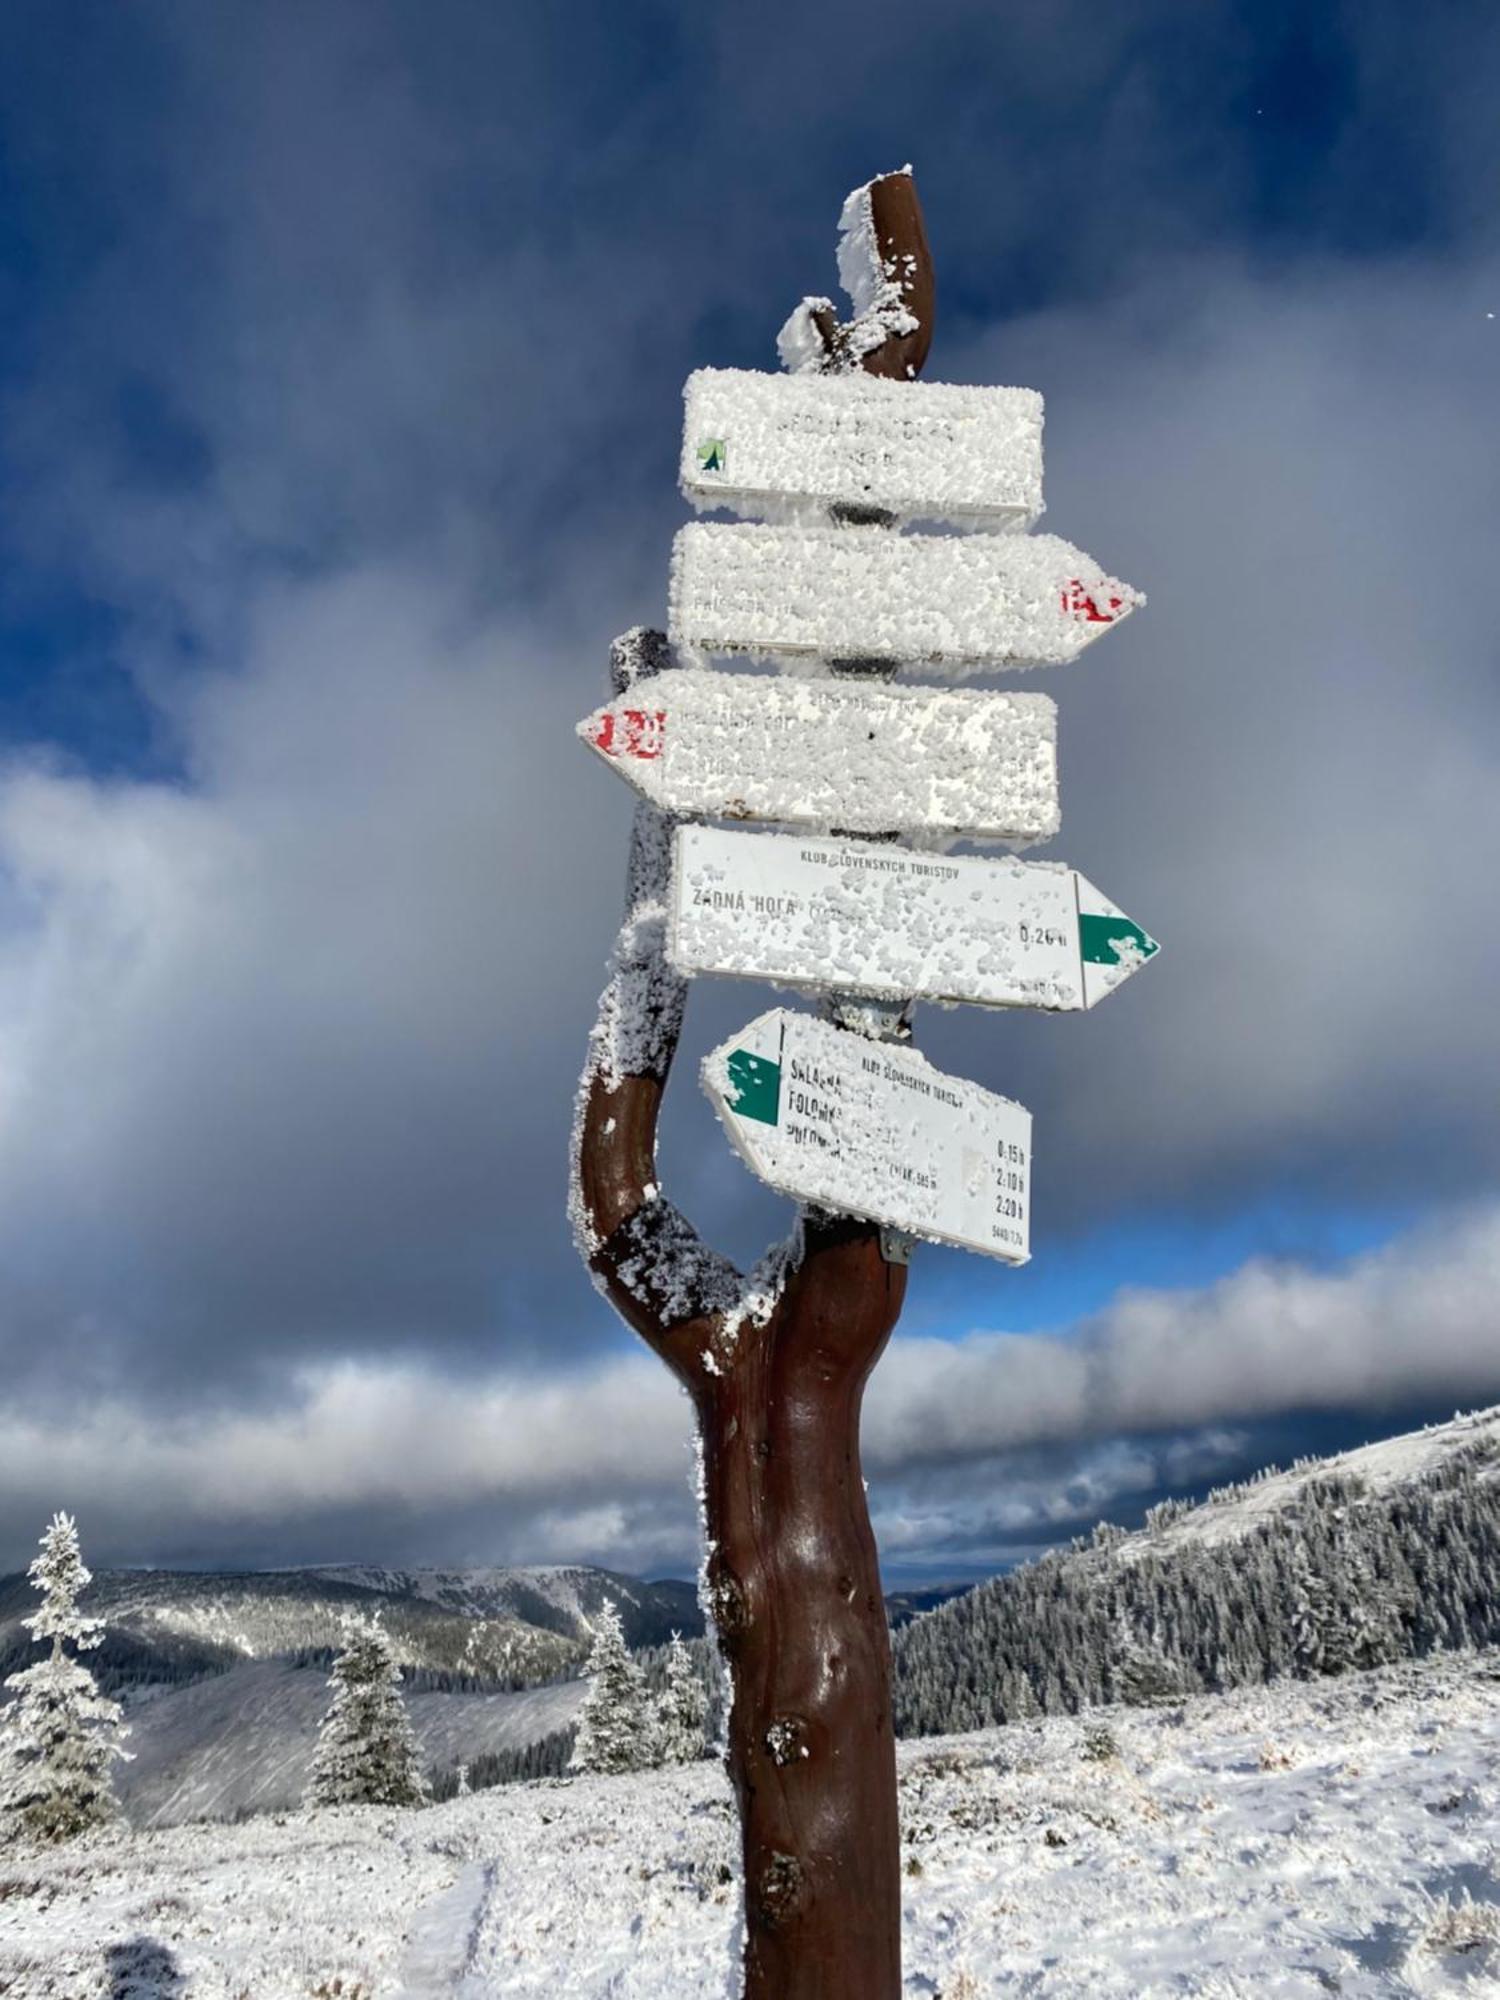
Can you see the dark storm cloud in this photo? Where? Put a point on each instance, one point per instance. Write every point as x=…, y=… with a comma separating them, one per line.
x=345, y=351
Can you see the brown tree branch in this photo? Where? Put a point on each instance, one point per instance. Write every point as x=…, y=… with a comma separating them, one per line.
x=646, y=1257
x=886, y=268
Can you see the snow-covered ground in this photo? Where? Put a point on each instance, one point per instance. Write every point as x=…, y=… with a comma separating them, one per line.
x=1331, y=1837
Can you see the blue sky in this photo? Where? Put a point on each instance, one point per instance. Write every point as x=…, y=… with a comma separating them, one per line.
x=341, y=348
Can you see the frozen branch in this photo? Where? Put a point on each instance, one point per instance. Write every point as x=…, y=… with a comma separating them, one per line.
x=886, y=268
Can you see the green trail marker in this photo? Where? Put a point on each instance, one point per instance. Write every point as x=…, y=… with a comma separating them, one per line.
x=754, y=1087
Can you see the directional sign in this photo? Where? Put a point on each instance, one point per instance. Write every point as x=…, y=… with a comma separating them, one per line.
x=789, y=447
x=959, y=602
x=860, y=917
x=872, y=1129
x=819, y=753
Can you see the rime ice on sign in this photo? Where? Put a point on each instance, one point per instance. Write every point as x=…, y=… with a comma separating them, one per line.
x=789, y=447
x=872, y=1129
x=867, y=918
x=837, y=753
x=963, y=603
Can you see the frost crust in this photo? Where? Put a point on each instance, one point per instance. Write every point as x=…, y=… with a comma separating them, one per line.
x=789, y=447
x=964, y=603
x=867, y=757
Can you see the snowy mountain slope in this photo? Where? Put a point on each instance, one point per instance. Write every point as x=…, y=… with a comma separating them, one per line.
x=518, y=1627
x=1389, y=1552
x=1392, y=1462
x=561, y=1598
x=1304, y=1839
x=241, y=1742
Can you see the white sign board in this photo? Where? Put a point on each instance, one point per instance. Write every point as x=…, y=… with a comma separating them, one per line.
x=872, y=1129
x=863, y=917
x=960, y=602
x=789, y=447
x=868, y=756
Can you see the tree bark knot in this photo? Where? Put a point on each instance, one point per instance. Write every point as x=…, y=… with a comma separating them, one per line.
x=781, y=1889
x=785, y=1739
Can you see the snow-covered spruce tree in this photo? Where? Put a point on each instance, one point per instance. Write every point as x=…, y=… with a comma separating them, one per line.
x=366, y=1753
x=60, y=1735
x=681, y=1710
x=1143, y=1675
x=615, y=1725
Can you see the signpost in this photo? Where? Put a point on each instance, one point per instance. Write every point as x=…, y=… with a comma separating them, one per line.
x=868, y=918
x=872, y=1129
x=841, y=753
x=962, y=603
x=843, y=1116
x=790, y=447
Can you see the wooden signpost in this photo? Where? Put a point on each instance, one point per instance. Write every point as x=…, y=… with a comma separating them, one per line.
x=882, y=920
x=960, y=603
x=872, y=1129
x=841, y=1114
x=821, y=753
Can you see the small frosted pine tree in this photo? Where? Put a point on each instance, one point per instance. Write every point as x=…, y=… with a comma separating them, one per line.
x=60, y=1735
x=682, y=1709
x=1143, y=1675
x=1312, y=1618
x=1018, y=1700
x=615, y=1724
x=366, y=1753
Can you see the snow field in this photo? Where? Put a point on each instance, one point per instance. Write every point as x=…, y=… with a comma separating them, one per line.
x=1330, y=1836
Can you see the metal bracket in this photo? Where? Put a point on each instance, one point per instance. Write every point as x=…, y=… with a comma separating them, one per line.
x=896, y=1245
x=876, y=1020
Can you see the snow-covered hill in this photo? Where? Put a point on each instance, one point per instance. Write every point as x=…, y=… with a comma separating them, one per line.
x=1311, y=1838
x=224, y=1704
x=241, y=1742
x=1379, y=1554
x=1234, y=1511
x=515, y=1627
x=561, y=1598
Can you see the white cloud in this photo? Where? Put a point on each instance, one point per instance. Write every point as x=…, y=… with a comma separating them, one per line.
x=990, y=1442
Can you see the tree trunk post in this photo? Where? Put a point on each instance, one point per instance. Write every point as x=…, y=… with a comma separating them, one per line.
x=776, y=1365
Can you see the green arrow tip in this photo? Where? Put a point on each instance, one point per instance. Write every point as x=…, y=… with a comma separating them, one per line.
x=1100, y=939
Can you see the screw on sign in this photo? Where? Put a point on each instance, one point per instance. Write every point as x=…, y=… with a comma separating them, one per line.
x=860, y=1129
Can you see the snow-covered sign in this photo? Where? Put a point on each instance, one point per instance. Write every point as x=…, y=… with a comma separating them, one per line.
x=960, y=602
x=872, y=1129
x=863, y=917
x=837, y=753
x=789, y=447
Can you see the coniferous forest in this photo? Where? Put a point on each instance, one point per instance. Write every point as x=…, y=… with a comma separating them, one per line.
x=1338, y=1577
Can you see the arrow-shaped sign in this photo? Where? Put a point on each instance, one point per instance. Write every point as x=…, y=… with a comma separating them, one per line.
x=789, y=447
x=859, y=917
x=963, y=603
x=842, y=753
x=872, y=1129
